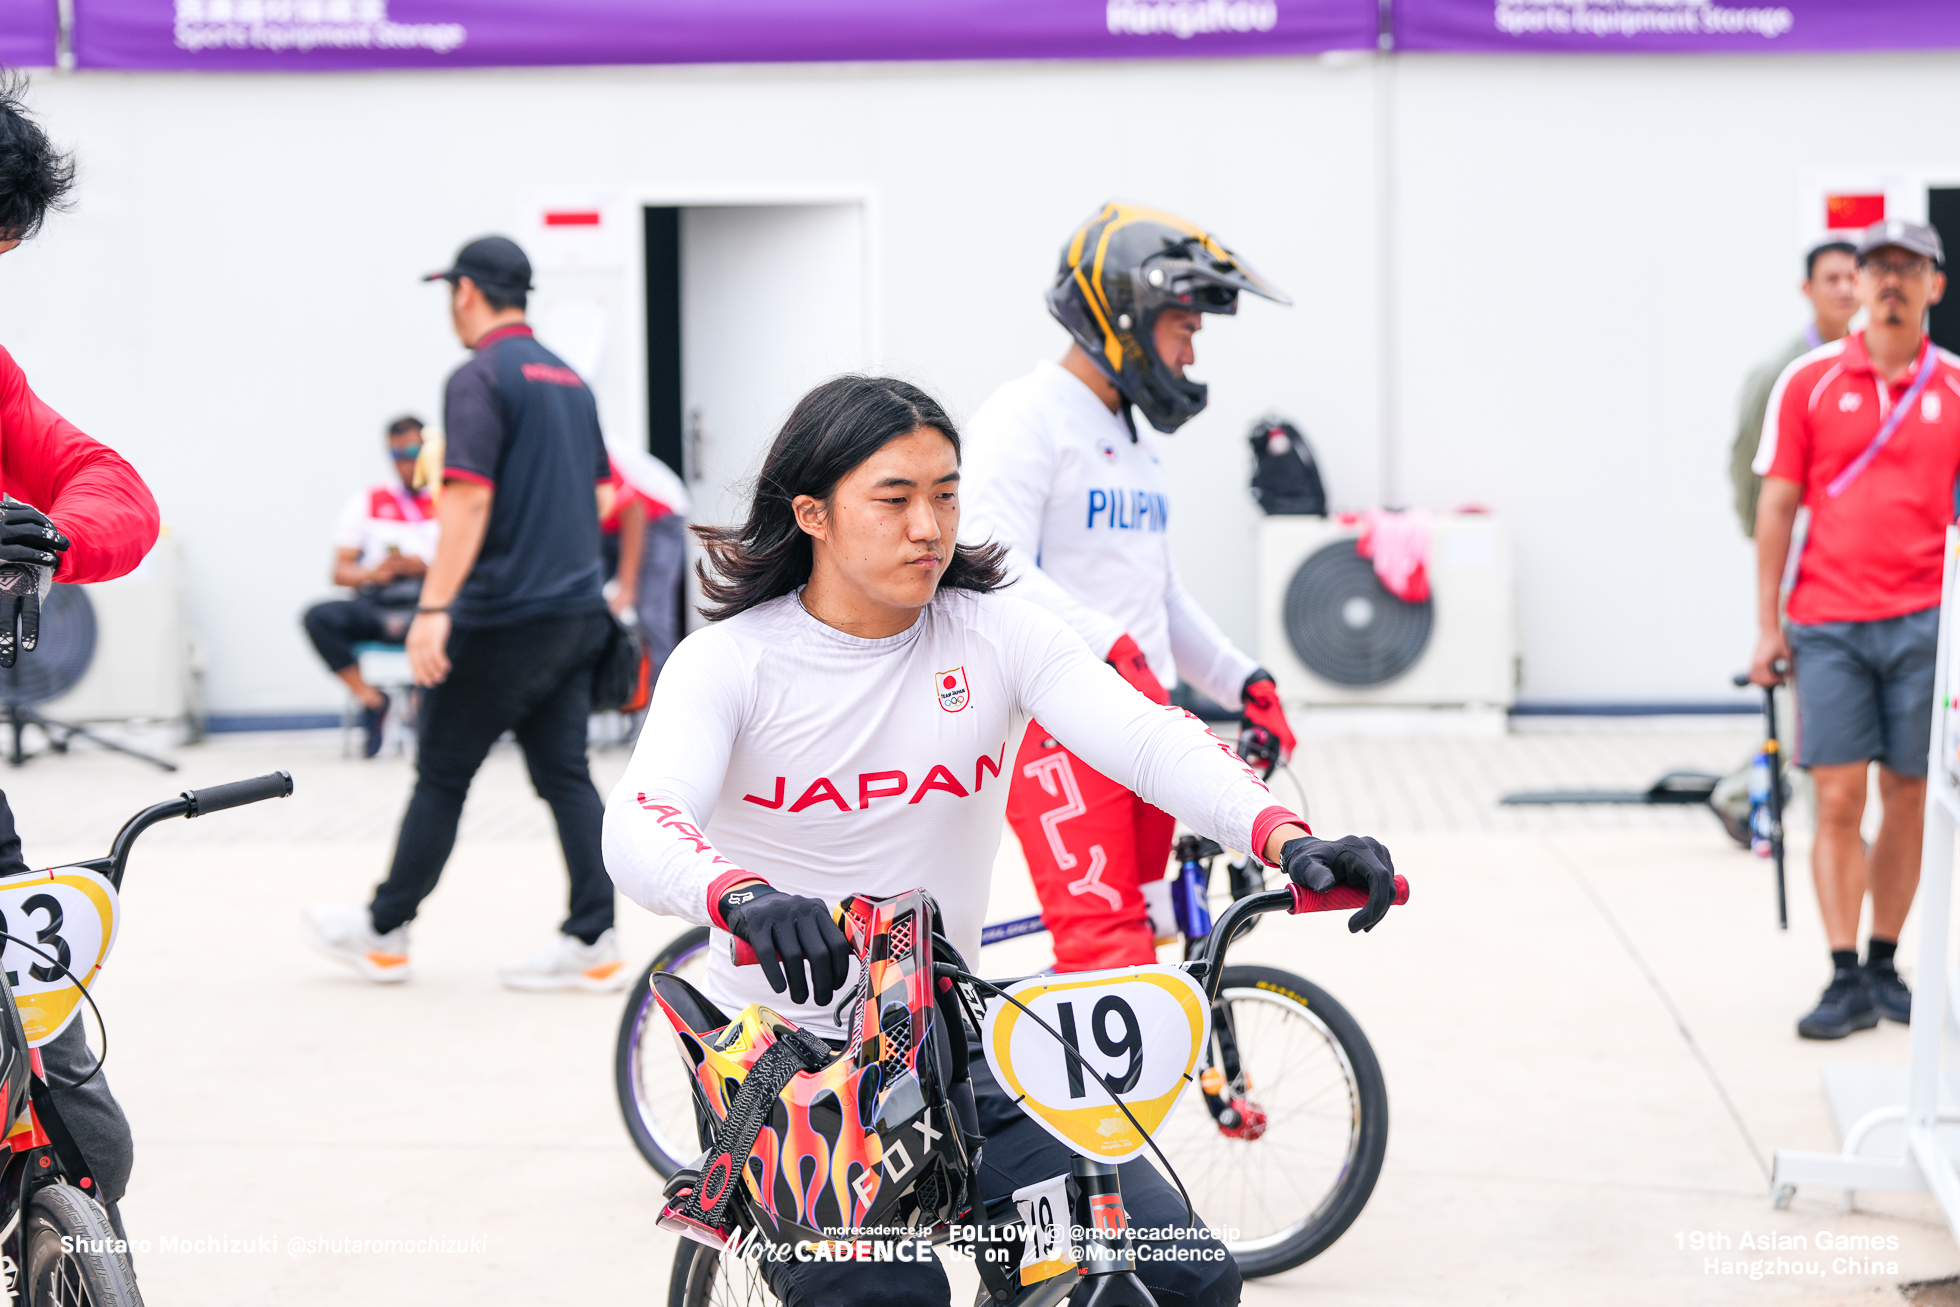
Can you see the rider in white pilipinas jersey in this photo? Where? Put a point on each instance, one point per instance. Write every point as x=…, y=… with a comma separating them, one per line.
x=1059, y=471
x=843, y=727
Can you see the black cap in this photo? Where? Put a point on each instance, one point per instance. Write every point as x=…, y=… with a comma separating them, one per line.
x=1912, y=237
x=492, y=261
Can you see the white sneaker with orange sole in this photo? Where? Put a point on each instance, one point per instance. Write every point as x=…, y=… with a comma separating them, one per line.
x=345, y=931
x=570, y=963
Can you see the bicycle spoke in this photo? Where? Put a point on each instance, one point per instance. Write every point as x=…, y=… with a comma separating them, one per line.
x=1268, y=1187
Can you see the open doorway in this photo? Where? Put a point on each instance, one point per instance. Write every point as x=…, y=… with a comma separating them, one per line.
x=1943, y=215
x=748, y=306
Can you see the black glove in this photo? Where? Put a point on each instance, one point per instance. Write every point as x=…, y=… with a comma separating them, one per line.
x=26, y=536
x=1354, y=860
x=787, y=931
x=20, y=610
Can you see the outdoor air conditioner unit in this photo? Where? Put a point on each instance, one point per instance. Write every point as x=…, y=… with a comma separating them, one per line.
x=1333, y=635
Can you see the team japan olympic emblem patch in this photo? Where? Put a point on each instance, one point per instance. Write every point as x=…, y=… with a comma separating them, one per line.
x=952, y=689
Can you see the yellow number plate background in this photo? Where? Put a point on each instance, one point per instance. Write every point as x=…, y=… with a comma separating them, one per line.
x=57, y=910
x=1172, y=1020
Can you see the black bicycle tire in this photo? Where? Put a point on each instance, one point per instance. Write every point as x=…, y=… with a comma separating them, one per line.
x=684, y=1286
x=59, y=1211
x=640, y=1008
x=697, y=1267
x=1355, y=1187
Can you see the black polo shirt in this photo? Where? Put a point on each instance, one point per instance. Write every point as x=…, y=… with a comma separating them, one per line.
x=518, y=420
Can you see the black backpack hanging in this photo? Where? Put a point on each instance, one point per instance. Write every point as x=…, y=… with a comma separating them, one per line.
x=1286, y=480
x=616, y=680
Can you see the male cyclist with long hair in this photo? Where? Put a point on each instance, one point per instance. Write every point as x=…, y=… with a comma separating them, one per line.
x=1060, y=474
x=844, y=727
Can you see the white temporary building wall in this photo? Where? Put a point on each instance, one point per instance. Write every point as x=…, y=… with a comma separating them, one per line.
x=1585, y=255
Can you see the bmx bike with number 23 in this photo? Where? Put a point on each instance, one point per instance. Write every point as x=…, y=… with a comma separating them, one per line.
x=1290, y=1144
x=57, y=1246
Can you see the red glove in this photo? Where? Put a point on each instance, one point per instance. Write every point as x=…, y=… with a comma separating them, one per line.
x=1262, y=722
x=1132, y=666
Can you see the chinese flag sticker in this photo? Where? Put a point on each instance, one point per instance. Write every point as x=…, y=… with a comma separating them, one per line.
x=1842, y=211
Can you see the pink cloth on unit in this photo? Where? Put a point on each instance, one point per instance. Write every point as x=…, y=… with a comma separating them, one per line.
x=1399, y=545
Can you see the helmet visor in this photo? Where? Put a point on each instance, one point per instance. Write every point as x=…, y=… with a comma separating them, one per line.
x=1206, y=276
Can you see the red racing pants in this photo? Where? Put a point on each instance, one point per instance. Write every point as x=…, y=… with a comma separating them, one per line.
x=1090, y=845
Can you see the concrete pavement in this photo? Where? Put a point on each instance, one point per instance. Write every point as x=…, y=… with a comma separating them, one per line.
x=1584, y=1017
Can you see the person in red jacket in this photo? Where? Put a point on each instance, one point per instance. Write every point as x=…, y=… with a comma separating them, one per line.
x=75, y=511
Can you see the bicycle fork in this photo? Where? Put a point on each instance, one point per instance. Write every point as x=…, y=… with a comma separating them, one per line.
x=1227, y=1092
x=1105, y=1251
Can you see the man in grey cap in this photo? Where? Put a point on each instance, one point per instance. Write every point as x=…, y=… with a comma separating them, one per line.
x=509, y=631
x=1865, y=433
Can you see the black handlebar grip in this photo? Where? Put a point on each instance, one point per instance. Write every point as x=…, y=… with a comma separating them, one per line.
x=216, y=798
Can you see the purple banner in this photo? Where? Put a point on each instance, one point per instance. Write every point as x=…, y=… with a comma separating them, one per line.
x=329, y=35
x=1675, y=26
x=28, y=29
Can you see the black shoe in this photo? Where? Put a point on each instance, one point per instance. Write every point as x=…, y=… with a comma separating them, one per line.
x=1845, y=1007
x=1889, y=994
x=371, y=721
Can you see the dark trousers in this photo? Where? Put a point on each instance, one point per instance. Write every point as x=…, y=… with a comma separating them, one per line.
x=1020, y=1153
x=336, y=626
x=534, y=679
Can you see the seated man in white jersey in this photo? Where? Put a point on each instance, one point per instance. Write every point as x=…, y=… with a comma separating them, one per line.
x=1059, y=473
x=843, y=726
x=383, y=543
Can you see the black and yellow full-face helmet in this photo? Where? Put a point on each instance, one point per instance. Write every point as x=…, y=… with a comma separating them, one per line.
x=1122, y=268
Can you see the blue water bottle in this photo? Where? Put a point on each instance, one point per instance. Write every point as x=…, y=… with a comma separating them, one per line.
x=1188, y=897
x=1759, y=814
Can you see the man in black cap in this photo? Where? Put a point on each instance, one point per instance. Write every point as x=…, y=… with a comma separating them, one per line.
x=1865, y=433
x=509, y=630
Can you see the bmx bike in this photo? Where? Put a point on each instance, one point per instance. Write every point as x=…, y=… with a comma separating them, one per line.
x=58, y=1247
x=1018, y=1257
x=1291, y=1143
x=1768, y=792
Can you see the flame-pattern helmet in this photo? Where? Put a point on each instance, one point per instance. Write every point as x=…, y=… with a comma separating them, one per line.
x=868, y=1139
x=1119, y=271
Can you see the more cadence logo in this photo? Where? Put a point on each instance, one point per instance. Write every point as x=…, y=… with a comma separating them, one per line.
x=306, y=25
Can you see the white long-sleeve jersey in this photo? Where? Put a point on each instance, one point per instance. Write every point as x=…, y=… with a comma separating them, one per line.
x=828, y=765
x=1083, y=510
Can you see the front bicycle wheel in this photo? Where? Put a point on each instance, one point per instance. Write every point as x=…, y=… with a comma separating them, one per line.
x=1282, y=1195
x=74, y=1257
x=703, y=1277
x=653, y=1093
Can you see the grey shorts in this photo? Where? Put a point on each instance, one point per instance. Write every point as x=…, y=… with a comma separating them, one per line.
x=1865, y=691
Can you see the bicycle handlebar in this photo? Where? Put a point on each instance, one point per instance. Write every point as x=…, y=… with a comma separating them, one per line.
x=1292, y=900
x=1741, y=679
x=192, y=803
x=216, y=798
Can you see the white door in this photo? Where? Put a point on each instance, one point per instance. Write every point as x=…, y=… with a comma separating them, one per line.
x=772, y=302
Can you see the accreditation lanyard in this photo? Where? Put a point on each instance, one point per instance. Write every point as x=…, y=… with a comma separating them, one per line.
x=411, y=511
x=1886, y=429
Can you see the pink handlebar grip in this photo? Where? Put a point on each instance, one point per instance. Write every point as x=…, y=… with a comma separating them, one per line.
x=1341, y=896
x=740, y=953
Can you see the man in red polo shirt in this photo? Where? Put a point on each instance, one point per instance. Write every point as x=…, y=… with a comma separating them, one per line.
x=1865, y=433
